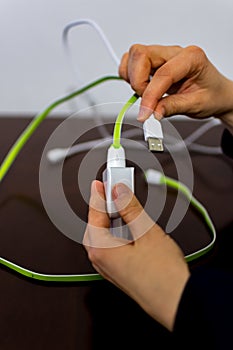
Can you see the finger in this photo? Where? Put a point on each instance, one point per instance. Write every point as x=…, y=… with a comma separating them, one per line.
x=101, y=237
x=97, y=233
x=139, y=68
x=184, y=104
x=183, y=65
x=144, y=60
x=97, y=215
x=123, y=67
x=131, y=210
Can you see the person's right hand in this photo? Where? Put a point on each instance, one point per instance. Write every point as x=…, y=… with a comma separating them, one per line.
x=174, y=80
x=150, y=268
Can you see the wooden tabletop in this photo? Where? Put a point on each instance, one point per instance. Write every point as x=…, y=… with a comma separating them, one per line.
x=90, y=315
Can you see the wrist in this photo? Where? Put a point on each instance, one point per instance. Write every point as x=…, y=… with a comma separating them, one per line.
x=227, y=120
x=226, y=115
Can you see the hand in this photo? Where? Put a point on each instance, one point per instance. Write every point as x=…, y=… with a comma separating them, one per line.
x=151, y=268
x=193, y=86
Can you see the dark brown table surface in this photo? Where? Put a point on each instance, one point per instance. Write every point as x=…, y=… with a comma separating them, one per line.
x=85, y=315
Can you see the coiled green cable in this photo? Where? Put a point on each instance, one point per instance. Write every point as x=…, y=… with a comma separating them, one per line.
x=200, y=208
x=49, y=277
x=172, y=183
x=30, y=129
x=28, y=132
x=10, y=158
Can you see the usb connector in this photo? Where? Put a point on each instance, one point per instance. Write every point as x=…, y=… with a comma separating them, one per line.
x=117, y=172
x=155, y=144
x=153, y=134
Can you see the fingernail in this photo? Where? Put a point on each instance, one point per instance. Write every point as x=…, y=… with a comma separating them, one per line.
x=157, y=115
x=160, y=113
x=93, y=187
x=144, y=113
x=120, y=190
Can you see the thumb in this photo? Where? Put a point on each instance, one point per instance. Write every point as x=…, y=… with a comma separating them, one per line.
x=97, y=215
x=131, y=210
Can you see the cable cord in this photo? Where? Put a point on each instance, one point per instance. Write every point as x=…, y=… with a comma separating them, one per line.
x=91, y=101
x=59, y=154
x=172, y=183
x=189, y=142
x=31, y=128
x=118, y=124
x=95, y=276
x=116, y=142
x=14, y=151
x=99, y=31
x=10, y=158
x=157, y=178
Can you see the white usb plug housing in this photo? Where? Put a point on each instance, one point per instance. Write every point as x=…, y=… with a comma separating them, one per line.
x=116, y=172
x=153, y=134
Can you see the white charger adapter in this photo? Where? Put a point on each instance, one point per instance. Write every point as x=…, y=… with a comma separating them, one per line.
x=117, y=172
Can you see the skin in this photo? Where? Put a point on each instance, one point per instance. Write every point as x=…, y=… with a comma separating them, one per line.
x=193, y=86
x=151, y=268
x=124, y=262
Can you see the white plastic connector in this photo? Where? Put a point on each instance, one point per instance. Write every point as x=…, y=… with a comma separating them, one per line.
x=116, y=157
x=153, y=134
x=56, y=155
x=116, y=172
x=153, y=177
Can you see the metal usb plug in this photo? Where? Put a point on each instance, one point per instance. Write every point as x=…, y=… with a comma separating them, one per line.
x=153, y=134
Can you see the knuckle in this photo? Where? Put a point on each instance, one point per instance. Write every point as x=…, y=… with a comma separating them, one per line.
x=197, y=52
x=137, y=50
x=123, y=65
x=138, y=86
x=177, y=47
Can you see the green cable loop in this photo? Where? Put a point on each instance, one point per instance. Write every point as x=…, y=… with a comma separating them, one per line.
x=50, y=278
x=199, y=207
x=30, y=129
x=8, y=161
x=27, y=133
x=119, y=121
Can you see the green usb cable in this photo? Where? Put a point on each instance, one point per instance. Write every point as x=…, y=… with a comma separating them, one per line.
x=119, y=121
x=155, y=177
x=28, y=132
x=31, y=128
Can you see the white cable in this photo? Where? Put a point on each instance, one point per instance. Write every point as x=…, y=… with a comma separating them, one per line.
x=211, y=150
x=201, y=130
x=102, y=128
x=98, y=30
x=57, y=155
x=189, y=141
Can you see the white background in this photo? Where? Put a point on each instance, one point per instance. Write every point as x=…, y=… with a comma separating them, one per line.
x=34, y=71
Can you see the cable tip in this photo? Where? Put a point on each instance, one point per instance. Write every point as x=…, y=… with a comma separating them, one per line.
x=153, y=176
x=57, y=155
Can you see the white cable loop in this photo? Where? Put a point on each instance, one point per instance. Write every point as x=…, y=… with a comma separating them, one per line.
x=99, y=32
x=188, y=142
x=94, y=25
